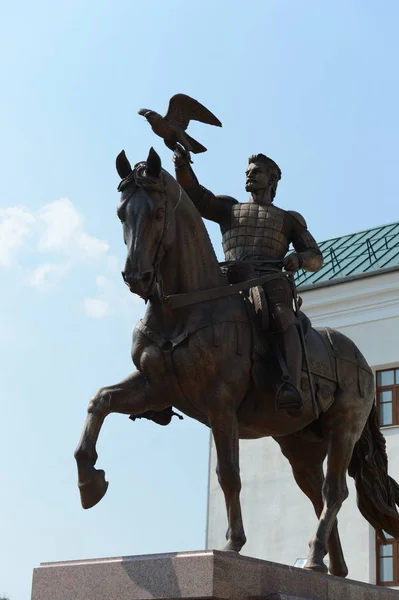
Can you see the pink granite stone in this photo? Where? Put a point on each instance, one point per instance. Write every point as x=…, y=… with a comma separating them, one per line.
x=209, y=575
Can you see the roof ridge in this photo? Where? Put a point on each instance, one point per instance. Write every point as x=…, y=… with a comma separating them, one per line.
x=338, y=237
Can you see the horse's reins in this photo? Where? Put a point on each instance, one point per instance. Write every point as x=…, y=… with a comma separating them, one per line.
x=158, y=280
x=188, y=298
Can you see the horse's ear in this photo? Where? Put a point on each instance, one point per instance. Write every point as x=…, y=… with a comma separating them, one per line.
x=153, y=164
x=123, y=165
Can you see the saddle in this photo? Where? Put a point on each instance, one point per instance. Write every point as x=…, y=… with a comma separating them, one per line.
x=322, y=356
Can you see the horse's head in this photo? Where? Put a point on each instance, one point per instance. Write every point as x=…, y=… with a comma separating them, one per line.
x=147, y=218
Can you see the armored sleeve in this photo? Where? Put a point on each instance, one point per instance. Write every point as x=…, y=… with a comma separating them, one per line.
x=307, y=250
x=214, y=208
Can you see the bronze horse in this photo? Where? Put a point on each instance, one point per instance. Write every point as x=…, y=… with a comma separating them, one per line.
x=199, y=358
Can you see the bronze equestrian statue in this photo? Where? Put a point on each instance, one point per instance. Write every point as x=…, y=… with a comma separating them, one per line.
x=254, y=234
x=198, y=349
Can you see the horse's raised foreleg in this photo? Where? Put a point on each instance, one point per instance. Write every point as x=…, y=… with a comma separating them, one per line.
x=224, y=427
x=334, y=493
x=133, y=395
x=306, y=459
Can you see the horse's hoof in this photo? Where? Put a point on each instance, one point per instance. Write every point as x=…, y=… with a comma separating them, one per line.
x=233, y=547
x=340, y=572
x=93, y=490
x=316, y=567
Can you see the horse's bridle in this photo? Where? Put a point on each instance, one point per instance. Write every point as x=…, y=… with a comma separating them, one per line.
x=157, y=261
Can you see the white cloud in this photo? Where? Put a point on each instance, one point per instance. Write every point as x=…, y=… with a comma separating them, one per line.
x=115, y=297
x=57, y=228
x=91, y=247
x=47, y=275
x=96, y=308
x=61, y=222
x=58, y=243
x=15, y=226
x=63, y=232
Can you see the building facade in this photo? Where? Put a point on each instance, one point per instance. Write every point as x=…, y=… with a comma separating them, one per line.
x=357, y=293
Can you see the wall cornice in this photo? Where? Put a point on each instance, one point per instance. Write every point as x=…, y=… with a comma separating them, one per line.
x=354, y=302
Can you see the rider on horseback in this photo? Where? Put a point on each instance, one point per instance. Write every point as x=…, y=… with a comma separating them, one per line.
x=256, y=233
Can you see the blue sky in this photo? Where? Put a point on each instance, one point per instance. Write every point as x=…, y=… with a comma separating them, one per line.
x=313, y=84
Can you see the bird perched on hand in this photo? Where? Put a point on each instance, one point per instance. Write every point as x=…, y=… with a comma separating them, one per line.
x=172, y=127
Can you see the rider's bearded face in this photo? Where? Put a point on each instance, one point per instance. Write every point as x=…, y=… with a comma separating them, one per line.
x=257, y=177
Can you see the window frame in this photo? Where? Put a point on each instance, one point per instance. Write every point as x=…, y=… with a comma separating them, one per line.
x=395, y=558
x=394, y=388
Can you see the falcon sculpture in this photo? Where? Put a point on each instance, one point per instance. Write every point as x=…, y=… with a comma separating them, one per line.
x=172, y=127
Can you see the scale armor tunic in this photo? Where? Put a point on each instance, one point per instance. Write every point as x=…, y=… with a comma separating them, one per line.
x=255, y=230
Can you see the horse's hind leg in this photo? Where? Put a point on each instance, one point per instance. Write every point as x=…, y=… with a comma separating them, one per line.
x=306, y=459
x=343, y=425
x=132, y=395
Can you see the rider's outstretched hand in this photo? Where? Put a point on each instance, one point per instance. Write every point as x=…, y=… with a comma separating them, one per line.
x=181, y=157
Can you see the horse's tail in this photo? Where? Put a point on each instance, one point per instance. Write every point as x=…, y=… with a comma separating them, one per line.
x=377, y=492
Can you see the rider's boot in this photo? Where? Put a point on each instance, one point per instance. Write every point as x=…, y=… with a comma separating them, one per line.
x=288, y=395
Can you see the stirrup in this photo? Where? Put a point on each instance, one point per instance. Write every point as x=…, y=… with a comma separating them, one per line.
x=288, y=397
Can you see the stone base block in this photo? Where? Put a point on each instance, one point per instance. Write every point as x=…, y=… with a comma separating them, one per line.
x=210, y=575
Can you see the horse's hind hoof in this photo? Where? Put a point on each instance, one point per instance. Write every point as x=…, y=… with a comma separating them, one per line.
x=317, y=568
x=93, y=490
x=233, y=546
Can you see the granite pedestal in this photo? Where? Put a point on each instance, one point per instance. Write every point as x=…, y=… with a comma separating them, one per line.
x=199, y=575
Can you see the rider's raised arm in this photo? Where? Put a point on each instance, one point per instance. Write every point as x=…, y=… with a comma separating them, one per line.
x=307, y=250
x=214, y=208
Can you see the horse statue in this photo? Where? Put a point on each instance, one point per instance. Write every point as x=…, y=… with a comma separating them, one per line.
x=199, y=352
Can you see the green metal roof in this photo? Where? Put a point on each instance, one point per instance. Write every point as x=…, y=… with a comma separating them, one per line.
x=355, y=255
